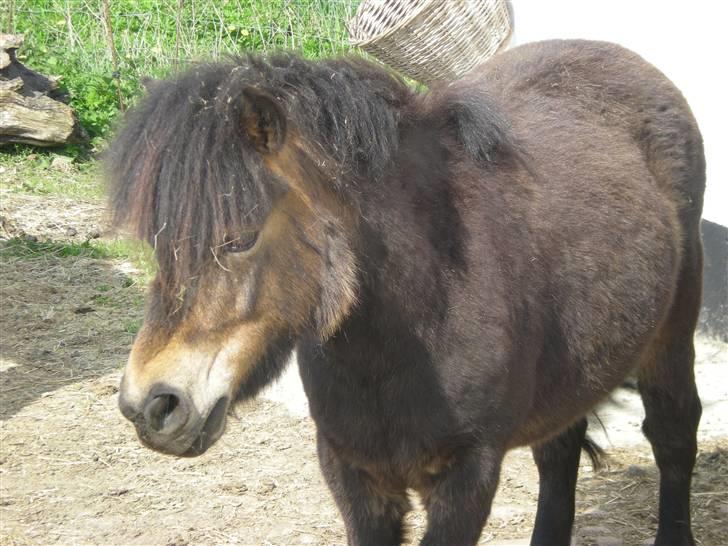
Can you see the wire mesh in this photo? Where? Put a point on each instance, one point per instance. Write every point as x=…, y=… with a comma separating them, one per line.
x=103, y=55
x=170, y=31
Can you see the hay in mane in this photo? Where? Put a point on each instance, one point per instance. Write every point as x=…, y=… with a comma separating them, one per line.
x=185, y=178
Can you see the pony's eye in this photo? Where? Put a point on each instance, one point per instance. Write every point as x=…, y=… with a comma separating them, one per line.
x=243, y=243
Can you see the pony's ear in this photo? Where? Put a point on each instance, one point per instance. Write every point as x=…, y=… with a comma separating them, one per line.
x=263, y=120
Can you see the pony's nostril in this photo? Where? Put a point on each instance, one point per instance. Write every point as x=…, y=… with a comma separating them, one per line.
x=165, y=413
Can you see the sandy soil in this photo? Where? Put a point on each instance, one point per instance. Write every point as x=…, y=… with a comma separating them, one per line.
x=72, y=472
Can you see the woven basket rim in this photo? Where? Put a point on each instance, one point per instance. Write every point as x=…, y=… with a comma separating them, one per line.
x=405, y=20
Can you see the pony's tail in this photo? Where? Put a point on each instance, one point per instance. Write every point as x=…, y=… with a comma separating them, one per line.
x=596, y=454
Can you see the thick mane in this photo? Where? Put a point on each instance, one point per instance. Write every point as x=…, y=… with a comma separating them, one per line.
x=184, y=177
x=350, y=107
x=480, y=127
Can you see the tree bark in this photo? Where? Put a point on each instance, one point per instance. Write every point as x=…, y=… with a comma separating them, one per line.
x=32, y=108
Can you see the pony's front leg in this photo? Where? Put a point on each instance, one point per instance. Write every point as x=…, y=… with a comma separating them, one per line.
x=459, y=501
x=372, y=514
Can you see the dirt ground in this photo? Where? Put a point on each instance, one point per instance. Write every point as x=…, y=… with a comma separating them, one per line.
x=72, y=472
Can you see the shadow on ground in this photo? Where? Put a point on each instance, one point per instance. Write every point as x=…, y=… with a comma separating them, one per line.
x=64, y=319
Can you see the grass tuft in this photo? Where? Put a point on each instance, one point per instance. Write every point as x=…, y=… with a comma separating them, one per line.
x=139, y=254
x=153, y=38
x=31, y=171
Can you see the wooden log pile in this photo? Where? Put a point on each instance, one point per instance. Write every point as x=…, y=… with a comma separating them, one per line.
x=32, y=108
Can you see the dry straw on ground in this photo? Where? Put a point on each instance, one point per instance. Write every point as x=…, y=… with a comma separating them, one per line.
x=72, y=472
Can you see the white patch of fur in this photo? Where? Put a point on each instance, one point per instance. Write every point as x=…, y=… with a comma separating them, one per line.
x=203, y=376
x=130, y=389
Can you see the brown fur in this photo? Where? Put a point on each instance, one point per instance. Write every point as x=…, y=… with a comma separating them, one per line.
x=462, y=272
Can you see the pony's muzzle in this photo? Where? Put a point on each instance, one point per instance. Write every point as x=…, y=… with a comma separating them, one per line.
x=163, y=419
x=168, y=420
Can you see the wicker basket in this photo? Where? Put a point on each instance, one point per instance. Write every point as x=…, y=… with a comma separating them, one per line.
x=431, y=40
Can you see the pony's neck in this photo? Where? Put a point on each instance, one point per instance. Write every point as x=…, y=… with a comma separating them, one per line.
x=411, y=238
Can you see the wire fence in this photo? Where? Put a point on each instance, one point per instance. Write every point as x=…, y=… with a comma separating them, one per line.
x=175, y=30
x=103, y=48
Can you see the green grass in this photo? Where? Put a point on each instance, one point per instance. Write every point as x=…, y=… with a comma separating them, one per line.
x=153, y=38
x=139, y=254
x=27, y=170
x=28, y=248
x=132, y=326
x=126, y=293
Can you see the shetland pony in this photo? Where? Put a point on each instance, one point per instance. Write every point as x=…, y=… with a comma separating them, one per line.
x=461, y=271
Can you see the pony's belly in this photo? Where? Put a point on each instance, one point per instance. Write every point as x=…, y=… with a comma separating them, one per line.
x=556, y=409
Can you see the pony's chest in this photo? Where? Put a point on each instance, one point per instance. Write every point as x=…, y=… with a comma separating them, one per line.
x=395, y=421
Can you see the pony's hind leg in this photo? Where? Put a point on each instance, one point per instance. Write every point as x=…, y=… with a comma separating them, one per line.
x=672, y=406
x=557, y=461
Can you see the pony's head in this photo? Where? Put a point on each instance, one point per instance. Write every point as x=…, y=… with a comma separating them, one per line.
x=240, y=176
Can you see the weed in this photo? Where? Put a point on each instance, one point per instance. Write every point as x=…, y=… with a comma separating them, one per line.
x=27, y=170
x=138, y=254
x=154, y=38
x=132, y=326
x=28, y=248
x=101, y=299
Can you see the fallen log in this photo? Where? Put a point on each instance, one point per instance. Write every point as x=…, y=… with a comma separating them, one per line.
x=32, y=108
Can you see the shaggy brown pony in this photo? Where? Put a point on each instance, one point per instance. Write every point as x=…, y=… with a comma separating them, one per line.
x=461, y=272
